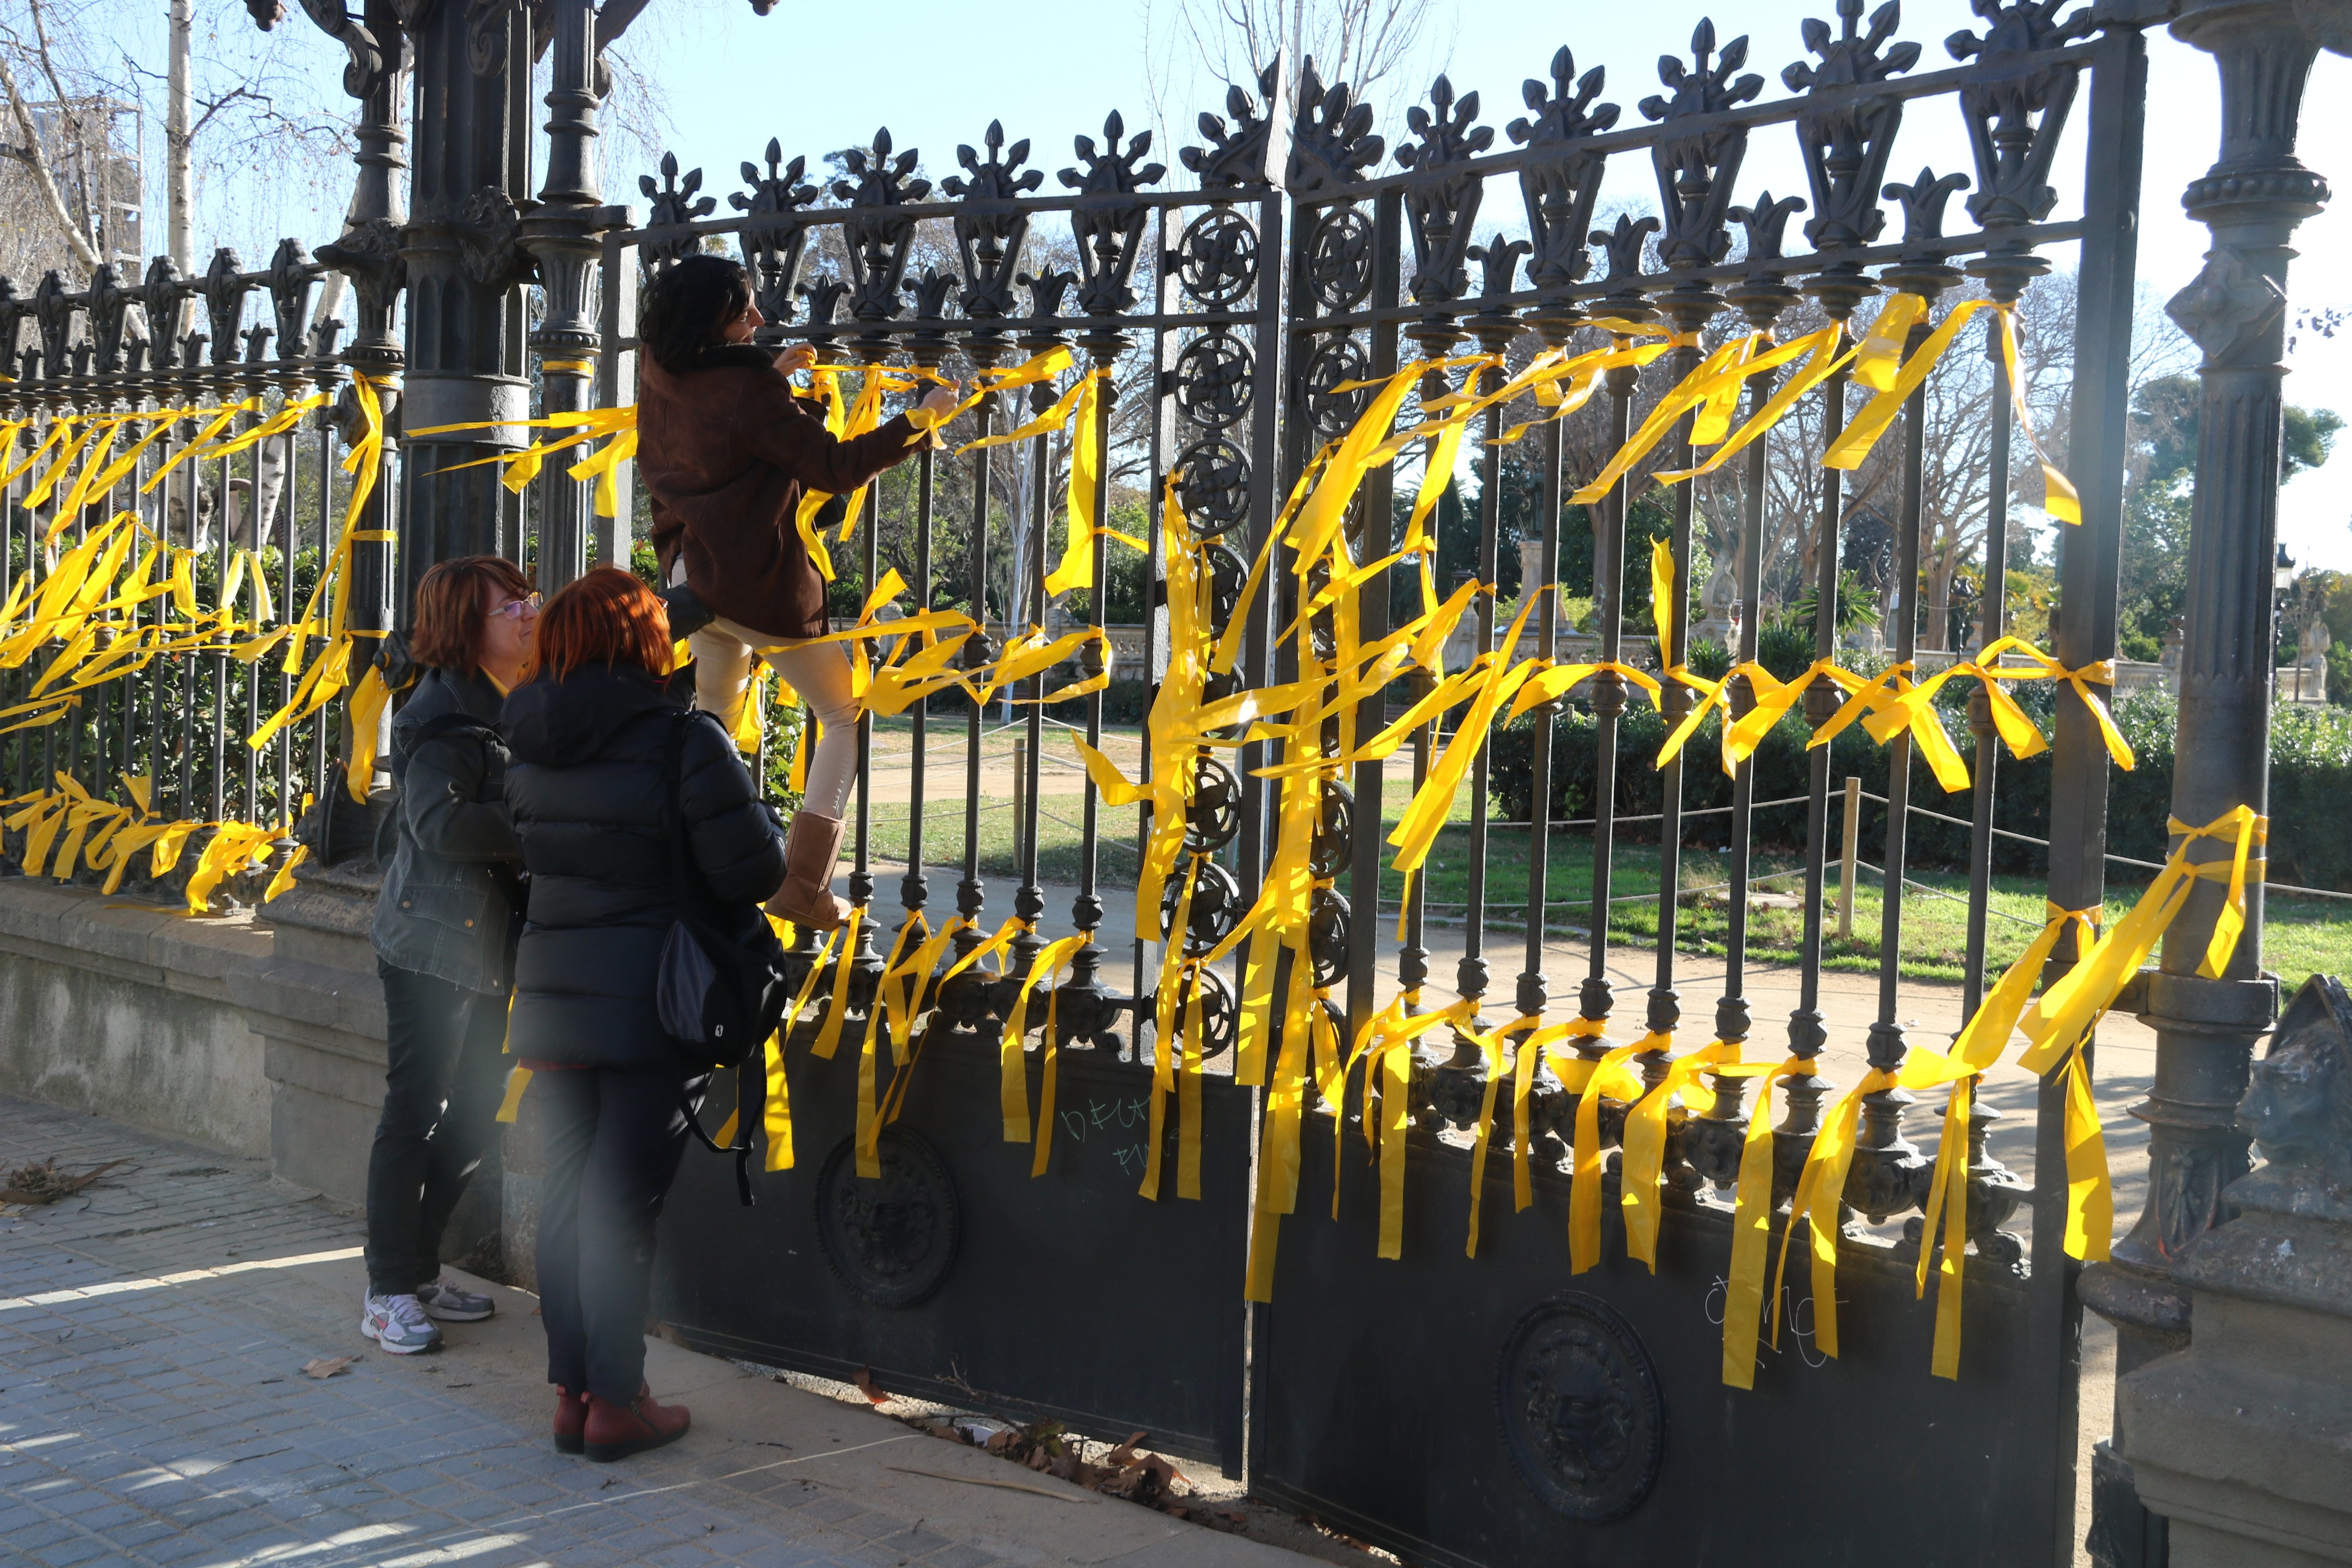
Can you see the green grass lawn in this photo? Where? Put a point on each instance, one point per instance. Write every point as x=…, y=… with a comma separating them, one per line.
x=2301, y=936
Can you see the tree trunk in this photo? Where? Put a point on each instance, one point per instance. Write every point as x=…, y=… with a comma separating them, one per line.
x=179, y=186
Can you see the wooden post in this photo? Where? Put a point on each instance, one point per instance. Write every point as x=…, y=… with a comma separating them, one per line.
x=1846, y=858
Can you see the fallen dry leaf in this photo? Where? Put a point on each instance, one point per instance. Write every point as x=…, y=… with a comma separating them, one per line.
x=45, y=1184
x=868, y=1387
x=327, y=1365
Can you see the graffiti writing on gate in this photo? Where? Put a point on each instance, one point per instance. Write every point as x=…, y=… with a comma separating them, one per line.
x=1120, y=1123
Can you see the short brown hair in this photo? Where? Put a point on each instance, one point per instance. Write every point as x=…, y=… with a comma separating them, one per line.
x=451, y=605
x=606, y=618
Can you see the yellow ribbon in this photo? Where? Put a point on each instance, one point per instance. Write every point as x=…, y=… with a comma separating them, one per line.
x=1863, y=431
x=1589, y=1081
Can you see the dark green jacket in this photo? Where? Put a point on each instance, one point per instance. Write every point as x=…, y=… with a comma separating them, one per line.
x=444, y=910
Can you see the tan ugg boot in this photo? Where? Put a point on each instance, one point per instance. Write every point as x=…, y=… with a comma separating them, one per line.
x=812, y=850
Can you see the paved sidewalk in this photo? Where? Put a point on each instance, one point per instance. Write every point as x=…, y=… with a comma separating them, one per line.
x=152, y=1411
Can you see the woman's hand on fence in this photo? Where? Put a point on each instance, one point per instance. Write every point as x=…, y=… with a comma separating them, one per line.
x=796, y=359
x=936, y=408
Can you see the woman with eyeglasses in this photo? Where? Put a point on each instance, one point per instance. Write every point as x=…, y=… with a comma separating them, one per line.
x=727, y=451
x=446, y=925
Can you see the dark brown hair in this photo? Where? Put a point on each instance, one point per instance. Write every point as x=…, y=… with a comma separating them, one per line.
x=687, y=306
x=606, y=618
x=451, y=602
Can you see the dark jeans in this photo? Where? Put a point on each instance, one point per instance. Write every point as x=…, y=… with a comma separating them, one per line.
x=613, y=1142
x=445, y=1073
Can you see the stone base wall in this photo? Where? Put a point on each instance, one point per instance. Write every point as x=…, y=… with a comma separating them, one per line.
x=133, y=1014
x=256, y=1037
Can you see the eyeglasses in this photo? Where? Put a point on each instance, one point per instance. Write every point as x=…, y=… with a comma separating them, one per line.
x=515, y=608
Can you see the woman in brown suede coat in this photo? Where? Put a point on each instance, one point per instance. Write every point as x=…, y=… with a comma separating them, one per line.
x=726, y=450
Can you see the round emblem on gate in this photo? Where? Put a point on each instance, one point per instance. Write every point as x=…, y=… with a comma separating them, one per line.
x=892, y=1238
x=1581, y=1415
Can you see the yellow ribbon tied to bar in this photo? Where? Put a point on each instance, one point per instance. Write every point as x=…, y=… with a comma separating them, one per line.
x=1863, y=431
x=1980, y=1046
x=1611, y=1076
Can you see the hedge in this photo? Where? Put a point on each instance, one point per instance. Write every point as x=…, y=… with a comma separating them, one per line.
x=2311, y=777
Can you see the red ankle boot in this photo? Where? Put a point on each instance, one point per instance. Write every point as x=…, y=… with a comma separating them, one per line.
x=616, y=1431
x=570, y=1420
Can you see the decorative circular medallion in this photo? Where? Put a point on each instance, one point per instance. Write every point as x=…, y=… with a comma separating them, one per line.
x=1213, y=380
x=1339, y=258
x=1218, y=1018
x=1580, y=1410
x=1227, y=577
x=1216, y=906
x=891, y=1238
x=1214, y=813
x=1327, y=936
x=1334, y=847
x=1337, y=362
x=1213, y=477
x=1217, y=256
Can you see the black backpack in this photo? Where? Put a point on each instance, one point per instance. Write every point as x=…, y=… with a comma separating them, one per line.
x=720, y=991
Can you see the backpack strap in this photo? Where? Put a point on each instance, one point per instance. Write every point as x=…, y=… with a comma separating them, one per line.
x=750, y=1075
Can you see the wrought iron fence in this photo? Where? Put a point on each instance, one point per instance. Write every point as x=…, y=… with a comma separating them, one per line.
x=174, y=488
x=1259, y=351
x=1269, y=307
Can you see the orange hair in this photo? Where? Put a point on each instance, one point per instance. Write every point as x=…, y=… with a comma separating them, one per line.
x=452, y=604
x=606, y=618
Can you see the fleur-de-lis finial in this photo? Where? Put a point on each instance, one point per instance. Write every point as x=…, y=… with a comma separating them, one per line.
x=1766, y=225
x=1109, y=239
x=1234, y=159
x=988, y=243
x=1560, y=183
x=674, y=202
x=1623, y=246
x=1563, y=111
x=1850, y=57
x=1331, y=141
x=778, y=191
x=1709, y=90
x=1499, y=261
x=1923, y=202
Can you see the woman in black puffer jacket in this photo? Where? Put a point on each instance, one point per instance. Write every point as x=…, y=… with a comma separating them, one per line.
x=588, y=737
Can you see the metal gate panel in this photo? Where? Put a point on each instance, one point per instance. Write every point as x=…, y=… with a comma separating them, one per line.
x=958, y=1281
x=1385, y=1406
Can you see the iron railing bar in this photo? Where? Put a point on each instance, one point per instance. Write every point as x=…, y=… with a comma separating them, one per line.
x=914, y=888
x=972, y=891
x=1665, y=1012
x=1807, y=1031
x=1471, y=970
x=1155, y=573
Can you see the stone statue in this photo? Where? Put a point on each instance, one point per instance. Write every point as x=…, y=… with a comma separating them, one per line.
x=2315, y=643
x=1719, y=605
x=2299, y=1107
x=2239, y=1439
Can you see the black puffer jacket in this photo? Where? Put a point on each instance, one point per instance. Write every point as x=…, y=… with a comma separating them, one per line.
x=586, y=791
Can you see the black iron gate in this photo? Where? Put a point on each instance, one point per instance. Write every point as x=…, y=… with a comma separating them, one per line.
x=1461, y=1410
x=1498, y=1409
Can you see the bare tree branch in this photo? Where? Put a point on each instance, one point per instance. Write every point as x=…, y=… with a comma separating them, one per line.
x=35, y=157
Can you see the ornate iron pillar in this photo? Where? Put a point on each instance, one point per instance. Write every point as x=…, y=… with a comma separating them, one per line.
x=2252, y=200
x=465, y=311
x=560, y=231
x=368, y=253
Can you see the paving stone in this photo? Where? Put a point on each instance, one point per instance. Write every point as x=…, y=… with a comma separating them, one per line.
x=171, y=1426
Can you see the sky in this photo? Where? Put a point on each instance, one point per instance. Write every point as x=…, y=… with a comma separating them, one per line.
x=816, y=76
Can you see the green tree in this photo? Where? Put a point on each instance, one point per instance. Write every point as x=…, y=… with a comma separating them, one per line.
x=2159, y=483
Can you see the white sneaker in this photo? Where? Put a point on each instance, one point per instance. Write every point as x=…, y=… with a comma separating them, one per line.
x=398, y=1323
x=445, y=1300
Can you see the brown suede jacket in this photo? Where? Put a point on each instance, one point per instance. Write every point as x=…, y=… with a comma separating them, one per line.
x=725, y=452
